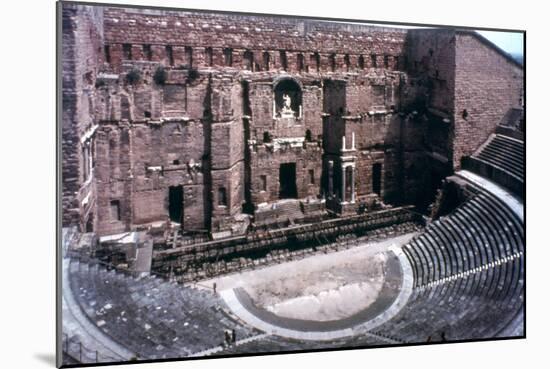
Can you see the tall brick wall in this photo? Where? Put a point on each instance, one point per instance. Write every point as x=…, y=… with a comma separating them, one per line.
x=431, y=62
x=488, y=84
x=227, y=150
x=214, y=126
x=136, y=165
x=82, y=37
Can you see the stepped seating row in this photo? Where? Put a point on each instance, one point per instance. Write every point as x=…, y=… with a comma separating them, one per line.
x=479, y=305
x=468, y=272
x=504, y=153
x=468, y=275
x=480, y=232
x=280, y=344
x=149, y=316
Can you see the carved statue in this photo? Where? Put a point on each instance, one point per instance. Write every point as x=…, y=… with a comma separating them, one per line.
x=287, y=100
x=286, y=105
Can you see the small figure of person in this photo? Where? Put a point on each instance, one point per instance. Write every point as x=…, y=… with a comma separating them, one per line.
x=214, y=287
x=233, y=336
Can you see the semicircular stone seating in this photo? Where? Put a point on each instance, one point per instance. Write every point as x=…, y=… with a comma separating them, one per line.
x=505, y=153
x=468, y=272
x=468, y=282
x=151, y=317
x=468, y=275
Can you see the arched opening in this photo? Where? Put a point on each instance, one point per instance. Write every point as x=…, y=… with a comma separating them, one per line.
x=288, y=98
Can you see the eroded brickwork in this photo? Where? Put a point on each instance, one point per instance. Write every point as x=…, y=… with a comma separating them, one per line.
x=487, y=87
x=207, y=120
x=82, y=38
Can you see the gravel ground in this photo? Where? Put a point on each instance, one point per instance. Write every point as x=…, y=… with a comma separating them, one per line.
x=320, y=287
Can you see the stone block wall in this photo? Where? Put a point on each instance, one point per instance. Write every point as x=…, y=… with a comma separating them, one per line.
x=201, y=40
x=488, y=84
x=431, y=62
x=266, y=162
x=213, y=125
x=137, y=164
x=82, y=37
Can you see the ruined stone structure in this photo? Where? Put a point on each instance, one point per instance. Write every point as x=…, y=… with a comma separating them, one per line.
x=213, y=121
x=367, y=161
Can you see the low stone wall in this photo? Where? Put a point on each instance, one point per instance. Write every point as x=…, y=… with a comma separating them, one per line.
x=222, y=256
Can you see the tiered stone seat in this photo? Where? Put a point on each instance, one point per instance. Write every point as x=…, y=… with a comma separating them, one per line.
x=278, y=344
x=478, y=233
x=151, y=317
x=468, y=283
x=505, y=153
x=468, y=275
x=500, y=159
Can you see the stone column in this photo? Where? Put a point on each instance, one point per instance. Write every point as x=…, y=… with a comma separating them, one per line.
x=343, y=199
x=352, y=183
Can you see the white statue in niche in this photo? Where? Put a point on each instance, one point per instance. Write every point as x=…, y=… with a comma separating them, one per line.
x=287, y=110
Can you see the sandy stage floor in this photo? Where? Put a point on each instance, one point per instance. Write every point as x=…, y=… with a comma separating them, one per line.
x=320, y=287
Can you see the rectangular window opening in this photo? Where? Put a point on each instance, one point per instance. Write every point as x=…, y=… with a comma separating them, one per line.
x=170, y=55
x=107, y=51
x=127, y=51
x=222, y=196
x=228, y=57
x=115, y=209
x=284, y=62
x=147, y=52
x=377, y=178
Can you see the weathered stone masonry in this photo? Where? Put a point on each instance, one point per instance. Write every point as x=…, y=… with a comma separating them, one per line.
x=208, y=120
